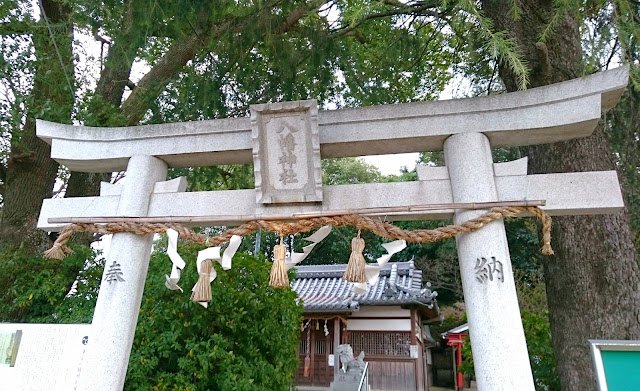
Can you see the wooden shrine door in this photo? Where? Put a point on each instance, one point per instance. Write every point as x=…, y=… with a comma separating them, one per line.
x=314, y=344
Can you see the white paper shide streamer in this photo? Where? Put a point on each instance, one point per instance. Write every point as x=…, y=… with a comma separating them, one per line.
x=318, y=236
x=373, y=271
x=213, y=254
x=176, y=259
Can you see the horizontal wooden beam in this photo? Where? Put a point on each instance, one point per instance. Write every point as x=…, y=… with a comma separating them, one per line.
x=541, y=115
x=565, y=194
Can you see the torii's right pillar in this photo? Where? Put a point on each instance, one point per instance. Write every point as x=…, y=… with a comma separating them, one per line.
x=497, y=338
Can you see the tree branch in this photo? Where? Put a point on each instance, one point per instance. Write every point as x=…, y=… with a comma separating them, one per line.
x=100, y=38
x=16, y=28
x=158, y=77
x=297, y=14
x=404, y=10
x=120, y=57
x=184, y=50
x=613, y=52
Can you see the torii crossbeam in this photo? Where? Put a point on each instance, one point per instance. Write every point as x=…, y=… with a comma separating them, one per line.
x=285, y=142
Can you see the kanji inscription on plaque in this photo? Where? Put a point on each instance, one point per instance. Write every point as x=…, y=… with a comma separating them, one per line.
x=288, y=158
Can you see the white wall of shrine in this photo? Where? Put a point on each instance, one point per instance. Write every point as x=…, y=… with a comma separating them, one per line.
x=382, y=318
x=386, y=311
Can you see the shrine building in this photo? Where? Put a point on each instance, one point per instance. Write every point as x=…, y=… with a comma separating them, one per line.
x=388, y=322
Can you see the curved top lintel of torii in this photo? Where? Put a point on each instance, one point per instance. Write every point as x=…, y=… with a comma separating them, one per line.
x=541, y=115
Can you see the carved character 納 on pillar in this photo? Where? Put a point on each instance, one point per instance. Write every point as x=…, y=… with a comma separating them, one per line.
x=485, y=270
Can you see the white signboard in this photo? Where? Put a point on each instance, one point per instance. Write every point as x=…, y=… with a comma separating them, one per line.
x=36, y=357
x=414, y=351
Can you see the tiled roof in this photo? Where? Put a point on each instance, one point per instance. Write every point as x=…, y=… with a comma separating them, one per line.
x=322, y=288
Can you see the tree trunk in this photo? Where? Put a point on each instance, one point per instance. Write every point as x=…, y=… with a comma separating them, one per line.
x=592, y=281
x=105, y=106
x=623, y=132
x=30, y=173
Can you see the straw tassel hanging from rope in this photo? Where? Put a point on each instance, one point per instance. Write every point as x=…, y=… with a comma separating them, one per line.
x=357, y=263
x=202, y=290
x=279, y=278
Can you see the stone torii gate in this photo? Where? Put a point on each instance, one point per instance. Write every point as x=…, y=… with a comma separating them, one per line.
x=285, y=142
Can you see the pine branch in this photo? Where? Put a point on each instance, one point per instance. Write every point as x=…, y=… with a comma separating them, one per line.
x=560, y=9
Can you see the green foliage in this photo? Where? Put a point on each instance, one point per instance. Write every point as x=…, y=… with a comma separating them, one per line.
x=222, y=177
x=341, y=53
x=17, y=66
x=382, y=62
x=466, y=366
x=348, y=170
x=561, y=8
x=447, y=324
x=94, y=111
x=35, y=290
x=543, y=363
x=246, y=340
x=523, y=237
x=405, y=175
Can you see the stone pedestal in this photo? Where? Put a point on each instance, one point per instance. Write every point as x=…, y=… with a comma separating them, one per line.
x=349, y=381
x=116, y=313
x=495, y=327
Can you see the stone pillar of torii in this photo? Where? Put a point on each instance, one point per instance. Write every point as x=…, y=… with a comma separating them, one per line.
x=285, y=142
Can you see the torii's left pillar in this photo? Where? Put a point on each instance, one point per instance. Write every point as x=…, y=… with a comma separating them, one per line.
x=116, y=313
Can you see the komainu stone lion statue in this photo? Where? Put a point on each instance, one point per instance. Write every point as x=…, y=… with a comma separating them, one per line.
x=345, y=352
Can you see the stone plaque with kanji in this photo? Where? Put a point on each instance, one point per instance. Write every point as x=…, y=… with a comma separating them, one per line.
x=286, y=152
